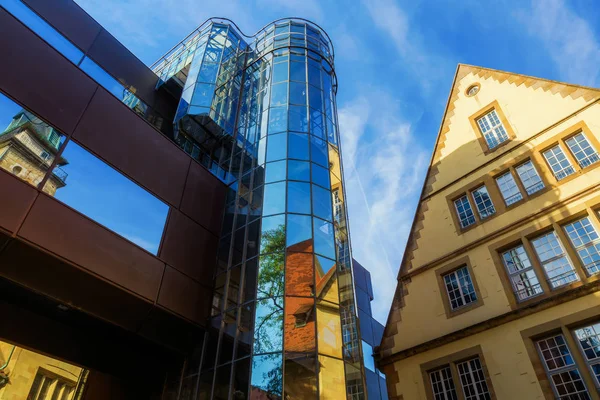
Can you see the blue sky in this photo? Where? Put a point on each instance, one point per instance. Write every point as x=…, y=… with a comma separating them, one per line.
x=395, y=61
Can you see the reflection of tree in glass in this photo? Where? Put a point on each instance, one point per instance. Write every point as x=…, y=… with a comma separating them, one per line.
x=267, y=377
x=268, y=334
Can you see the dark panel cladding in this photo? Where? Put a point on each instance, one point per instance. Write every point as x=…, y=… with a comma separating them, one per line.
x=163, y=326
x=184, y=296
x=46, y=274
x=13, y=208
x=189, y=248
x=69, y=19
x=57, y=228
x=126, y=141
x=123, y=65
x=40, y=78
x=204, y=198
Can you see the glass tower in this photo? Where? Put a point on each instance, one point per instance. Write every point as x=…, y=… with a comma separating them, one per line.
x=260, y=113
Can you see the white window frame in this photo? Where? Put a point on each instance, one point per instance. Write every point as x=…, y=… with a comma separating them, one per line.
x=581, y=335
x=492, y=129
x=461, y=292
x=444, y=382
x=586, y=241
x=464, y=222
x=484, y=210
x=479, y=387
x=563, y=278
x=509, y=189
x=527, y=173
x=559, y=162
x=586, y=154
x=522, y=271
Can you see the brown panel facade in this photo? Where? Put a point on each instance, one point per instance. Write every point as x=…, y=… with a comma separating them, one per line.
x=57, y=228
x=184, y=296
x=68, y=18
x=123, y=65
x=125, y=140
x=204, y=198
x=44, y=273
x=14, y=207
x=190, y=248
x=40, y=78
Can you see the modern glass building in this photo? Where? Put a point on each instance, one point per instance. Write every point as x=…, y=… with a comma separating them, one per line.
x=259, y=111
x=179, y=231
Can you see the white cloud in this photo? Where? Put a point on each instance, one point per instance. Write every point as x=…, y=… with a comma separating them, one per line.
x=383, y=167
x=568, y=38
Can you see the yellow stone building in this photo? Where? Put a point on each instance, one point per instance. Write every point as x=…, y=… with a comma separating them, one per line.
x=498, y=291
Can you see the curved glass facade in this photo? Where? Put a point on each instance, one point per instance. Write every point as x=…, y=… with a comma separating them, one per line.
x=263, y=113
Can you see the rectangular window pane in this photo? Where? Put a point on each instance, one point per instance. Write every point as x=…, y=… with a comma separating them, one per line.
x=559, y=270
x=561, y=167
x=465, y=213
x=442, y=384
x=509, y=189
x=492, y=129
x=585, y=239
x=459, y=287
x=483, y=201
x=589, y=342
x=29, y=146
x=472, y=380
x=582, y=150
x=522, y=276
x=530, y=177
x=109, y=198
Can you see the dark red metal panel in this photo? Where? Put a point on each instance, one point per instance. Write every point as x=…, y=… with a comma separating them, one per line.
x=126, y=141
x=63, y=231
x=189, y=247
x=15, y=201
x=184, y=296
x=204, y=198
x=40, y=78
x=69, y=19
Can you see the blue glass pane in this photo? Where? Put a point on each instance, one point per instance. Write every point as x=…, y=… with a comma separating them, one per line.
x=314, y=76
x=297, y=93
x=323, y=265
x=298, y=197
x=298, y=146
x=103, y=78
x=320, y=176
x=318, y=151
x=298, y=170
x=267, y=375
x=277, y=120
x=276, y=147
x=203, y=95
x=316, y=124
x=279, y=94
x=280, y=72
x=274, y=198
x=298, y=119
x=321, y=202
x=272, y=233
x=208, y=72
x=43, y=29
x=109, y=198
x=298, y=71
x=268, y=334
x=275, y=171
x=315, y=99
x=323, y=236
x=298, y=229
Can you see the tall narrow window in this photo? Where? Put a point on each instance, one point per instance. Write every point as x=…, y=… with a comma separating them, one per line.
x=442, y=384
x=554, y=260
x=492, y=129
x=472, y=380
x=582, y=150
x=509, y=189
x=459, y=287
x=529, y=177
x=465, y=213
x=561, y=369
x=589, y=340
x=484, y=204
x=522, y=276
x=560, y=164
x=585, y=239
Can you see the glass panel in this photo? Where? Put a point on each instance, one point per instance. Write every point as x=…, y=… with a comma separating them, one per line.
x=323, y=236
x=589, y=339
x=560, y=164
x=509, y=189
x=323, y=266
x=298, y=232
x=277, y=119
x=314, y=76
x=279, y=94
x=103, y=78
x=586, y=242
x=299, y=272
x=300, y=324
x=298, y=146
x=43, y=29
x=274, y=198
x=483, y=201
x=298, y=71
x=298, y=170
x=465, y=213
x=299, y=197
x=331, y=378
x=529, y=177
x=222, y=379
x=555, y=352
x=270, y=275
x=298, y=119
x=315, y=98
x=583, y=151
x=298, y=93
x=318, y=151
x=275, y=171
x=280, y=72
x=29, y=146
x=555, y=262
x=316, y=124
x=300, y=376
x=320, y=176
x=272, y=234
x=267, y=377
x=109, y=198
x=241, y=378
x=268, y=323
x=321, y=203
x=276, y=147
